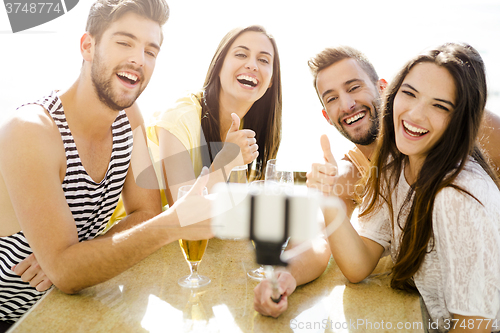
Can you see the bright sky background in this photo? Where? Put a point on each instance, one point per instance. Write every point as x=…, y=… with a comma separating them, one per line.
x=388, y=32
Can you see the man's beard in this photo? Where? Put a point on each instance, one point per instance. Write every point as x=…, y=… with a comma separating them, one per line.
x=367, y=138
x=104, y=89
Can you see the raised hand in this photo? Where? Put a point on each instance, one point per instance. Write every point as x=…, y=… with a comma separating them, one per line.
x=322, y=175
x=244, y=139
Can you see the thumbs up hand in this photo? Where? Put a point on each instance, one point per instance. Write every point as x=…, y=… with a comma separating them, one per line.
x=327, y=150
x=244, y=139
x=235, y=125
x=322, y=175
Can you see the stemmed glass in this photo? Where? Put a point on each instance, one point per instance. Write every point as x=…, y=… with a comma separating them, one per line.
x=193, y=252
x=238, y=175
x=282, y=178
x=274, y=174
x=194, y=311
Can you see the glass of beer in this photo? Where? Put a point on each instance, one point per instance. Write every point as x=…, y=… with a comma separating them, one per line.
x=193, y=252
x=238, y=175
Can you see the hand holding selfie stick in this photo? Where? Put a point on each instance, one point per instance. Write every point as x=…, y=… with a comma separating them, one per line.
x=269, y=216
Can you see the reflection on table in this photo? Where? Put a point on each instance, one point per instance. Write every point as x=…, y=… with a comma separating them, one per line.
x=147, y=298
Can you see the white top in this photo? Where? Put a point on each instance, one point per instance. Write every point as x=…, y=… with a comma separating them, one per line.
x=461, y=275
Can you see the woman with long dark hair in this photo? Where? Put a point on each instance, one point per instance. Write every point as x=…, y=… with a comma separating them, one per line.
x=432, y=202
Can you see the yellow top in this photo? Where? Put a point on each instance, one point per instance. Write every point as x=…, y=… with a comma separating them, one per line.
x=182, y=120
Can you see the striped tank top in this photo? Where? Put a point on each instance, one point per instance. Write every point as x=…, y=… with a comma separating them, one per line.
x=91, y=204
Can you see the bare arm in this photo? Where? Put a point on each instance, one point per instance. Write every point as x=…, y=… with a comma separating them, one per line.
x=312, y=263
x=30, y=270
x=177, y=166
x=32, y=169
x=356, y=256
x=470, y=324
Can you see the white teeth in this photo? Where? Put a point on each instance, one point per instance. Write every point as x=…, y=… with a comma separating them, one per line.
x=349, y=121
x=414, y=129
x=247, y=78
x=128, y=76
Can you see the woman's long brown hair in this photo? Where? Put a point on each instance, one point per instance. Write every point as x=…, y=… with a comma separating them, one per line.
x=442, y=164
x=264, y=117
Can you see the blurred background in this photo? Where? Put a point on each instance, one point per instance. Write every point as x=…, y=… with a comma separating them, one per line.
x=47, y=57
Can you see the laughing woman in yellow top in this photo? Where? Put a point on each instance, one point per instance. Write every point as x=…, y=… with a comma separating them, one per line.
x=243, y=85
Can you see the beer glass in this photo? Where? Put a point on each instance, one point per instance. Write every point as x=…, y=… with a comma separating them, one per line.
x=238, y=175
x=193, y=251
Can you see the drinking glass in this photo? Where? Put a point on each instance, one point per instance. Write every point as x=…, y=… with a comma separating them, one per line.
x=194, y=312
x=274, y=174
x=238, y=175
x=259, y=273
x=280, y=178
x=193, y=252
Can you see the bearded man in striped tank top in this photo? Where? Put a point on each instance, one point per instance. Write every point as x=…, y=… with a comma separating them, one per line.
x=60, y=184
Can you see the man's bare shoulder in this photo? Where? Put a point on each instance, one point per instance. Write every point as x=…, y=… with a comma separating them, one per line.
x=134, y=116
x=491, y=124
x=29, y=130
x=489, y=136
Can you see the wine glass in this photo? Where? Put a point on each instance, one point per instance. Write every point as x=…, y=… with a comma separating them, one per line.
x=238, y=175
x=275, y=174
x=193, y=252
x=194, y=312
x=282, y=178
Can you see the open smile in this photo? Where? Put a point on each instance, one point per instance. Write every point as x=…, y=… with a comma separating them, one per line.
x=413, y=131
x=352, y=119
x=128, y=79
x=247, y=81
